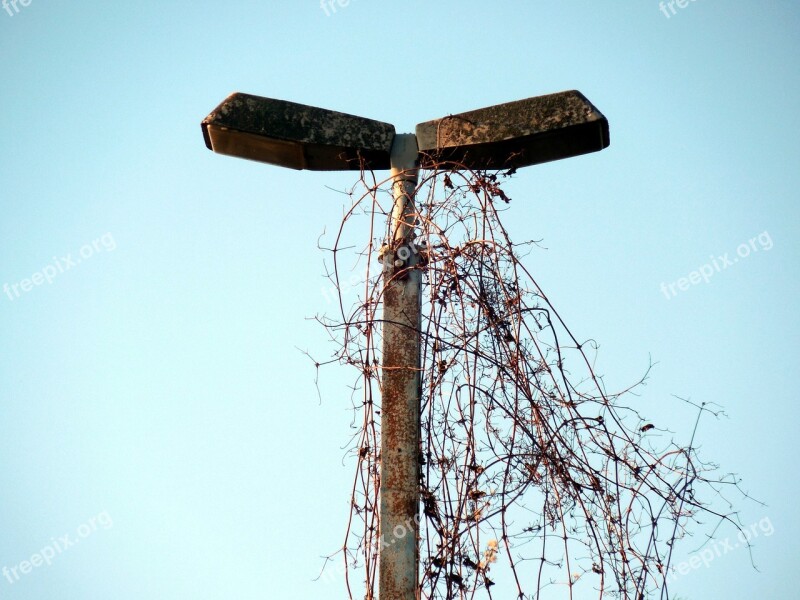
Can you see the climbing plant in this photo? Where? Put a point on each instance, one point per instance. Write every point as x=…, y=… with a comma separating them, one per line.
x=536, y=479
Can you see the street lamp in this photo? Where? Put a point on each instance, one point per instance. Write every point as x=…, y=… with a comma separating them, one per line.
x=296, y=136
x=511, y=135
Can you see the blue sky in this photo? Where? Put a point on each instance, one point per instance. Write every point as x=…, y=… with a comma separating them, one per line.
x=153, y=395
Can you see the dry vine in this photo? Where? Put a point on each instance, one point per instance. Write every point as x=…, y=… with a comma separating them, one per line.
x=533, y=477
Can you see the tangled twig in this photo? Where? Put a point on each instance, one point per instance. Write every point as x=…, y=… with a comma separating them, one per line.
x=533, y=475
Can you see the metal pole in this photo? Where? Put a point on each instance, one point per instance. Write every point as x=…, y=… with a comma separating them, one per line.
x=510, y=135
x=400, y=419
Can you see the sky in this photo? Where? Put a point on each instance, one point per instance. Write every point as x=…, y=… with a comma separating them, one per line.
x=161, y=434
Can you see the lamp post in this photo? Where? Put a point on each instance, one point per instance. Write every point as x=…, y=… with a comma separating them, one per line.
x=511, y=135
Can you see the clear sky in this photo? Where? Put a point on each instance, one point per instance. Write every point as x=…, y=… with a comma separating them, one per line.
x=155, y=405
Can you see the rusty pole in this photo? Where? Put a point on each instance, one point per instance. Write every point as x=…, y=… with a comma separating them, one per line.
x=400, y=420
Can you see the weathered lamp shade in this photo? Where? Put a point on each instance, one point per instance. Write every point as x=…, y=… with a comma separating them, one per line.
x=296, y=136
x=515, y=134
